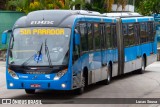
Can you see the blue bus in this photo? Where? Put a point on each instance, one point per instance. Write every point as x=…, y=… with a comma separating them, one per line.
x=70, y=49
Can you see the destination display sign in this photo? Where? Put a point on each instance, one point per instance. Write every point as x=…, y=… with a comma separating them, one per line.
x=42, y=31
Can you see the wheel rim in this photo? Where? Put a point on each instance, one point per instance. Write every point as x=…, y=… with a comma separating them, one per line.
x=143, y=65
x=108, y=77
x=83, y=81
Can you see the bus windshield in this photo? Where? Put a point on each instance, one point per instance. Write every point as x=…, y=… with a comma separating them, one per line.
x=39, y=46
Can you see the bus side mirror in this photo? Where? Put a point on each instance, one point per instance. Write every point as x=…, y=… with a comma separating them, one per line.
x=4, y=37
x=77, y=39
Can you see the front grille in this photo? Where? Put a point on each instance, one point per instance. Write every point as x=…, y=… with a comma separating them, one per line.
x=36, y=70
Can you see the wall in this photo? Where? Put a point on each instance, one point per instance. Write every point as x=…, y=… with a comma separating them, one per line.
x=7, y=20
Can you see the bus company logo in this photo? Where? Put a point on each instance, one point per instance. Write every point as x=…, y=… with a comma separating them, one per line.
x=6, y=101
x=42, y=22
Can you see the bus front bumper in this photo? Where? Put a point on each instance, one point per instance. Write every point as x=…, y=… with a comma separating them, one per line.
x=38, y=84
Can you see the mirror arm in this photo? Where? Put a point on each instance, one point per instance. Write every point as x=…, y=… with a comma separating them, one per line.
x=8, y=31
x=75, y=30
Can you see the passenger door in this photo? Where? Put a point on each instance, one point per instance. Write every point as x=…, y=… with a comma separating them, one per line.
x=76, y=61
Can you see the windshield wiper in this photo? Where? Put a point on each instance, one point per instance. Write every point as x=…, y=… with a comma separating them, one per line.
x=40, y=52
x=48, y=55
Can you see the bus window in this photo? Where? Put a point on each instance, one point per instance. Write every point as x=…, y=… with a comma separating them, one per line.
x=96, y=36
x=137, y=33
x=76, y=52
x=84, y=41
x=76, y=48
x=103, y=36
x=77, y=27
x=90, y=36
x=125, y=29
x=154, y=31
x=125, y=35
x=109, y=37
x=149, y=30
x=114, y=35
x=131, y=37
x=143, y=33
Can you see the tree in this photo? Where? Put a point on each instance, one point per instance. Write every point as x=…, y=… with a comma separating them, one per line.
x=96, y=5
x=109, y=4
x=69, y=4
x=3, y=4
x=32, y=5
x=20, y=5
x=100, y=5
x=148, y=7
x=123, y=3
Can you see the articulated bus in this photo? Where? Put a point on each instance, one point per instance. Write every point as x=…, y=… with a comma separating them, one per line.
x=70, y=49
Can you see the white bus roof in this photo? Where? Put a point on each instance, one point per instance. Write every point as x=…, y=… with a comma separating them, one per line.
x=122, y=14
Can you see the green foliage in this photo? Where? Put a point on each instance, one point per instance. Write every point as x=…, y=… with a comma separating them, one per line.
x=70, y=3
x=97, y=5
x=21, y=5
x=32, y=5
x=148, y=7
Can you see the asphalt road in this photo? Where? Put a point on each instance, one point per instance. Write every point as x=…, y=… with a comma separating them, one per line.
x=130, y=85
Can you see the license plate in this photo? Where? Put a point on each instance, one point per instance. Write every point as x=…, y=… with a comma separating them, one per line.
x=35, y=85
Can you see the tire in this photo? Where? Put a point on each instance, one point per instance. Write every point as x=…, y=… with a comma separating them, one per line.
x=80, y=90
x=141, y=71
x=28, y=91
x=109, y=73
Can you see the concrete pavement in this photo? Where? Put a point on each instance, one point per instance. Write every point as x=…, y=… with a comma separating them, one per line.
x=145, y=85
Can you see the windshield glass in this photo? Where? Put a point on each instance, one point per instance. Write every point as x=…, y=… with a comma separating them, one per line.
x=39, y=46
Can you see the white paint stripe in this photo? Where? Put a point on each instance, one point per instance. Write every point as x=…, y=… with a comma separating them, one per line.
x=136, y=20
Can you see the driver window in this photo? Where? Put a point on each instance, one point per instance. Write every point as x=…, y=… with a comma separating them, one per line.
x=76, y=48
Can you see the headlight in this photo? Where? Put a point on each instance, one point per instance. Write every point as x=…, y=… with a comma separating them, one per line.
x=13, y=74
x=60, y=74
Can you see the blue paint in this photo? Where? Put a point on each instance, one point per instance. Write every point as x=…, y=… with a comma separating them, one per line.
x=41, y=79
x=137, y=19
x=77, y=39
x=128, y=20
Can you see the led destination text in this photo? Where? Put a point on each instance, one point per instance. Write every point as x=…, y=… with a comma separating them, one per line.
x=42, y=31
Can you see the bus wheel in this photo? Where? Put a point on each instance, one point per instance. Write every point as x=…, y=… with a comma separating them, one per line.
x=141, y=71
x=28, y=91
x=108, y=80
x=81, y=89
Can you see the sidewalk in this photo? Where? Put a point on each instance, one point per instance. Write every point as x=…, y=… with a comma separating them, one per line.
x=2, y=63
